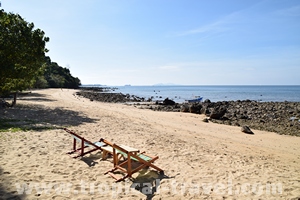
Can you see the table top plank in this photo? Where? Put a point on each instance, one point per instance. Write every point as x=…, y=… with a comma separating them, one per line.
x=129, y=149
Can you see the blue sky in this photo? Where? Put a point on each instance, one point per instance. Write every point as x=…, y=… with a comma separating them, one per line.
x=189, y=42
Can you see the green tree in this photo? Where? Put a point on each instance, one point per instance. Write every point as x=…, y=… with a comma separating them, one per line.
x=22, y=53
x=41, y=82
x=59, y=77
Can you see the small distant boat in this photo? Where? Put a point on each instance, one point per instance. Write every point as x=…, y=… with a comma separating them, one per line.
x=198, y=99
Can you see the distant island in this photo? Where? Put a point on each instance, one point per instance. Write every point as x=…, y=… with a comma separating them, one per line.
x=165, y=84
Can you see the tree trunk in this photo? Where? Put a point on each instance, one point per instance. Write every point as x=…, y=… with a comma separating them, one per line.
x=15, y=100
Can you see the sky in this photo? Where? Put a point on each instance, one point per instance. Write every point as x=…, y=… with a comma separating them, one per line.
x=185, y=42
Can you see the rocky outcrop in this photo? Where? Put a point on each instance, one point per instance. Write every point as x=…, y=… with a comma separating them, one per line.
x=268, y=116
x=279, y=117
x=109, y=97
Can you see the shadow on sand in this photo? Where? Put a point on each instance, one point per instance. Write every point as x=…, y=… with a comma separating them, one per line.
x=4, y=193
x=38, y=117
x=147, y=182
x=90, y=160
x=33, y=97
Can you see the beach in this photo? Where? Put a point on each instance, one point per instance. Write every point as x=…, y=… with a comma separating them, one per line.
x=200, y=160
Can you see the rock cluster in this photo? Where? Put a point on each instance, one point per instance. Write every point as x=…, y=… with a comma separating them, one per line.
x=109, y=97
x=279, y=117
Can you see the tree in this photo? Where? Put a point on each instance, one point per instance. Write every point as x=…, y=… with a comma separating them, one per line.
x=59, y=77
x=41, y=82
x=22, y=53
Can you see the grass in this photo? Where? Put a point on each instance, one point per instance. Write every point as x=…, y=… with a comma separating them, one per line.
x=5, y=124
x=14, y=125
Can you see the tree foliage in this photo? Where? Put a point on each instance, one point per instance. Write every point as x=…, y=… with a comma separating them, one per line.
x=22, y=52
x=23, y=63
x=56, y=76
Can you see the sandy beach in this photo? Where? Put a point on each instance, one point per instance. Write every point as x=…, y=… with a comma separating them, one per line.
x=200, y=160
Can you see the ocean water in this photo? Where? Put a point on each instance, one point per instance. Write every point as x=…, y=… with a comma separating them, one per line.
x=215, y=93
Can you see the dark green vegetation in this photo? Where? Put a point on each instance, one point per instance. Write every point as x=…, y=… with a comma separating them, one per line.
x=55, y=76
x=23, y=62
x=22, y=52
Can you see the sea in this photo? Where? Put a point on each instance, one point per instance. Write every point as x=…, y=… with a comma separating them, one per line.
x=179, y=94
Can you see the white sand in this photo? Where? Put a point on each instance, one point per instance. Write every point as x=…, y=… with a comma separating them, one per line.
x=201, y=160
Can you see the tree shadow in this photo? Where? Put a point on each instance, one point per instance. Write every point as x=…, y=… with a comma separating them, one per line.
x=29, y=96
x=38, y=117
x=5, y=191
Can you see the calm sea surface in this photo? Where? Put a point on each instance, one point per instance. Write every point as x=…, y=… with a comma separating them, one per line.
x=215, y=93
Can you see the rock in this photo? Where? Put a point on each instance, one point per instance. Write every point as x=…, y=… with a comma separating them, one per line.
x=195, y=108
x=246, y=129
x=168, y=101
x=204, y=111
x=184, y=108
x=217, y=113
x=205, y=120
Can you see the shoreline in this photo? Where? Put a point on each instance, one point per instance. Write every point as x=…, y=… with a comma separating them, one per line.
x=233, y=165
x=180, y=94
x=280, y=117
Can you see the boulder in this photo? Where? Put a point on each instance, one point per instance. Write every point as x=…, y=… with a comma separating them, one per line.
x=184, y=108
x=205, y=120
x=217, y=113
x=168, y=101
x=246, y=129
x=195, y=108
x=204, y=111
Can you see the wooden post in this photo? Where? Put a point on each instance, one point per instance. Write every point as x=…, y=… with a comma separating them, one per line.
x=74, y=144
x=82, y=146
x=115, y=157
x=129, y=164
